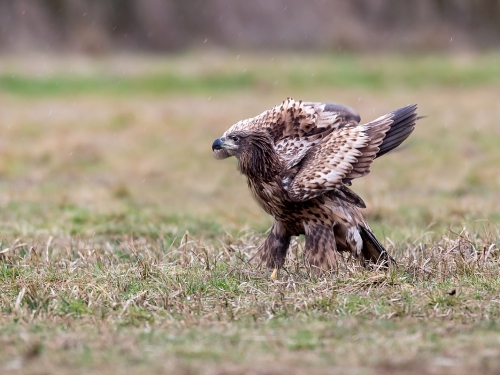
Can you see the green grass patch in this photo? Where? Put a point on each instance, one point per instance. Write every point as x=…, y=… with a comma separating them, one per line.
x=292, y=72
x=111, y=85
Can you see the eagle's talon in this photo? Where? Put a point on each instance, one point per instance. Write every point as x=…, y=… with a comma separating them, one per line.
x=274, y=275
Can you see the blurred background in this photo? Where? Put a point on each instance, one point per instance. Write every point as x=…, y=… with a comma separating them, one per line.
x=109, y=108
x=100, y=26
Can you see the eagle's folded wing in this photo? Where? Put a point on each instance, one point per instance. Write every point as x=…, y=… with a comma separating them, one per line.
x=296, y=126
x=347, y=153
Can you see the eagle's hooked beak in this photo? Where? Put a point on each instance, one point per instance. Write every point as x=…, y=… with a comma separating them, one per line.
x=224, y=143
x=218, y=143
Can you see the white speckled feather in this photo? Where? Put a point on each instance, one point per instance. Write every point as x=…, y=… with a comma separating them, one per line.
x=295, y=126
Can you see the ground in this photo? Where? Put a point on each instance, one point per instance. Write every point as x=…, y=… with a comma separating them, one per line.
x=125, y=245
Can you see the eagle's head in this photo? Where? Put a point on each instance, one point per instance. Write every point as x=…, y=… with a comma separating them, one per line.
x=238, y=143
x=226, y=146
x=254, y=150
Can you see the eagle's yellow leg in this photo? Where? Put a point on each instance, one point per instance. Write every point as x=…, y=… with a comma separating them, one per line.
x=274, y=275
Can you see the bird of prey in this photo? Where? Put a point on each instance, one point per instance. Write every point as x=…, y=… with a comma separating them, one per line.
x=299, y=159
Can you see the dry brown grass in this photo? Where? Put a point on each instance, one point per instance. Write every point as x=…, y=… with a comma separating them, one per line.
x=134, y=304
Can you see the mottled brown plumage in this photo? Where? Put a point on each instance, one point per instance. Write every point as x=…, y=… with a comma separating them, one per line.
x=299, y=159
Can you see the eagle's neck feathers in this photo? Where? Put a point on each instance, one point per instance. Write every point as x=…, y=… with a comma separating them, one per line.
x=259, y=161
x=263, y=168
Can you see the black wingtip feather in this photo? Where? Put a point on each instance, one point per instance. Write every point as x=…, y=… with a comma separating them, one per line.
x=403, y=124
x=348, y=113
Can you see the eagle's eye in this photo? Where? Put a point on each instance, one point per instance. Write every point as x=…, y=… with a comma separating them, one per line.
x=234, y=138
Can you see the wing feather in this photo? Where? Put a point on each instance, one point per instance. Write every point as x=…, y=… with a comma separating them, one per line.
x=404, y=120
x=296, y=127
x=328, y=163
x=347, y=153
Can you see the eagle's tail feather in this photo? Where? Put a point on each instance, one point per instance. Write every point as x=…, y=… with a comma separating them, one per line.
x=373, y=251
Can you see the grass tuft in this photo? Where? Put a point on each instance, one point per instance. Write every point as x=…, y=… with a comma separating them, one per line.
x=211, y=304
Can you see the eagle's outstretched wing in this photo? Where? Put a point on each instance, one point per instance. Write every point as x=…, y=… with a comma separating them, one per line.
x=296, y=127
x=347, y=153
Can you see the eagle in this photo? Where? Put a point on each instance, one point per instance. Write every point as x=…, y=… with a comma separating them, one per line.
x=299, y=159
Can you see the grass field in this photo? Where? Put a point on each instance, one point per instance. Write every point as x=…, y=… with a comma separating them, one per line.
x=125, y=245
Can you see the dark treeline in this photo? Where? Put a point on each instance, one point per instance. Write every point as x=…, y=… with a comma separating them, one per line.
x=172, y=25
